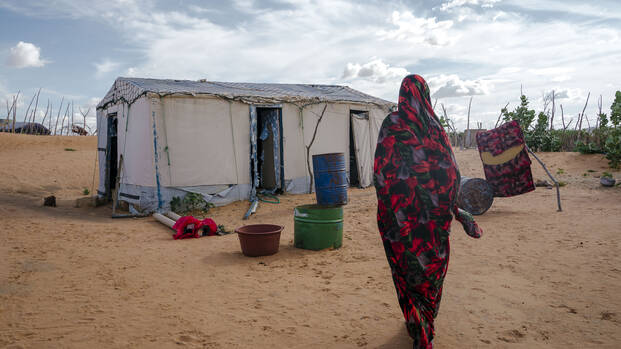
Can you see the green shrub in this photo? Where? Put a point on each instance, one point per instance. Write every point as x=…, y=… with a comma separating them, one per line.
x=191, y=202
x=605, y=139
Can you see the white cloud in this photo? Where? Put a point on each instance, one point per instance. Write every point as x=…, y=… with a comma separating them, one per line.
x=131, y=72
x=445, y=86
x=375, y=70
x=419, y=30
x=526, y=44
x=573, y=94
x=105, y=67
x=24, y=55
x=459, y=3
x=556, y=74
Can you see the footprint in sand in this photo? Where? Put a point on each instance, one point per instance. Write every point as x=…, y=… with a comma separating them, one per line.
x=512, y=336
x=609, y=316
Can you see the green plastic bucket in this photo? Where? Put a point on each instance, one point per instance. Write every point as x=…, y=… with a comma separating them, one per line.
x=318, y=227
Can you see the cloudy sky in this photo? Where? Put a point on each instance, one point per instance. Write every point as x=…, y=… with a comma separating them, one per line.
x=487, y=49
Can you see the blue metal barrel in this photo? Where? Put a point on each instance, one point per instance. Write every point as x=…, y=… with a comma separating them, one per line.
x=330, y=179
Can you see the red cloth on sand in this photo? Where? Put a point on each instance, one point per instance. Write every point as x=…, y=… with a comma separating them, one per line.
x=188, y=227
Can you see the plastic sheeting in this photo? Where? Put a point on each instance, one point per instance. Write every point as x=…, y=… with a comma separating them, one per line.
x=362, y=147
x=271, y=125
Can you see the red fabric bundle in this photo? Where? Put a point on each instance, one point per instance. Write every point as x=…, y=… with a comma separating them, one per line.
x=188, y=227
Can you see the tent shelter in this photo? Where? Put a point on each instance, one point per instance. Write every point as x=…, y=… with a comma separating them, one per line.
x=164, y=138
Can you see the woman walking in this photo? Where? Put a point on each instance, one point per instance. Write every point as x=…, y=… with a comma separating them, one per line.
x=417, y=180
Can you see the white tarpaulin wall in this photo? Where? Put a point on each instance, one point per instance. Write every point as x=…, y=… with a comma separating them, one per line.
x=200, y=142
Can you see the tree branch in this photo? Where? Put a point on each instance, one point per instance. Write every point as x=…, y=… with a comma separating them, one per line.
x=310, y=172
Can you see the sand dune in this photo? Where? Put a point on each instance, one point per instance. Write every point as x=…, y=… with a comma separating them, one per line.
x=74, y=277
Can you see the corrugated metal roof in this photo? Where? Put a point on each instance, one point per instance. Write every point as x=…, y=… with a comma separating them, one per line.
x=130, y=89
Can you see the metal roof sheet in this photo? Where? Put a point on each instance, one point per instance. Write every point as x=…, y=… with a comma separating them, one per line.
x=130, y=89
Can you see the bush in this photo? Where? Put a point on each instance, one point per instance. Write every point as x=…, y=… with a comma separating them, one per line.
x=587, y=148
x=539, y=137
x=191, y=202
x=612, y=145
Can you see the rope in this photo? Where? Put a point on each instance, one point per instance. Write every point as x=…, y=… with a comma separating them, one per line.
x=275, y=199
x=95, y=170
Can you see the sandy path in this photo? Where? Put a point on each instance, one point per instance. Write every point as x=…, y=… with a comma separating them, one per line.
x=73, y=277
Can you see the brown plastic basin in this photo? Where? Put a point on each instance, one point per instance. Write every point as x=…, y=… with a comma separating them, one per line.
x=259, y=239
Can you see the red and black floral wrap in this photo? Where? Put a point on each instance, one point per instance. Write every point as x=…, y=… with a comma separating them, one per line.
x=417, y=180
x=514, y=176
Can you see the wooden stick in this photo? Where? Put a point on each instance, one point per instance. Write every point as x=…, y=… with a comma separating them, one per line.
x=14, y=114
x=62, y=124
x=26, y=115
x=310, y=172
x=51, y=112
x=58, y=115
x=500, y=114
x=599, y=106
x=558, y=192
x=583, y=109
x=84, y=114
x=468, y=125
x=71, y=128
x=34, y=113
x=553, y=109
x=46, y=112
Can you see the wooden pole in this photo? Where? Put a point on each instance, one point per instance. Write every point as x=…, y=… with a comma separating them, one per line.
x=500, y=114
x=26, y=115
x=34, y=113
x=58, y=115
x=310, y=172
x=558, y=193
x=15, y=110
x=71, y=128
x=599, y=107
x=583, y=109
x=553, y=109
x=62, y=124
x=46, y=112
x=50, y=120
x=467, y=135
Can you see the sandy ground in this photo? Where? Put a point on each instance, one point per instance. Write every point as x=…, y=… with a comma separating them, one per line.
x=75, y=278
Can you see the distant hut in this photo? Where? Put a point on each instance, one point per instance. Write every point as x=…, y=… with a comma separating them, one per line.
x=31, y=128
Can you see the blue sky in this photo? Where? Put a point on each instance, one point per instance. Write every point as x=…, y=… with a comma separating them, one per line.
x=485, y=49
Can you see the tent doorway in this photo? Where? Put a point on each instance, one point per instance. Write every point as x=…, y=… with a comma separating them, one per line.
x=354, y=178
x=111, y=156
x=358, y=134
x=269, y=165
